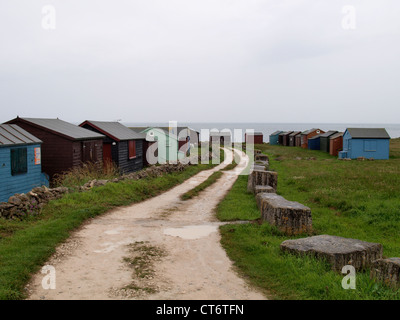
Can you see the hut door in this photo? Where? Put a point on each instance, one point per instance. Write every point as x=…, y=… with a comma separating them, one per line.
x=89, y=154
x=107, y=156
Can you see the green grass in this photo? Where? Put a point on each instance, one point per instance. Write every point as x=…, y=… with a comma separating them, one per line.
x=238, y=204
x=26, y=245
x=354, y=199
x=205, y=184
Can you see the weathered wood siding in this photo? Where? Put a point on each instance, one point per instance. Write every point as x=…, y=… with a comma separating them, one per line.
x=57, y=155
x=125, y=164
x=21, y=183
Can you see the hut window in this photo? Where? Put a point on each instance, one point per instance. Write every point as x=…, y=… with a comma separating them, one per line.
x=132, y=149
x=369, y=145
x=19, y=161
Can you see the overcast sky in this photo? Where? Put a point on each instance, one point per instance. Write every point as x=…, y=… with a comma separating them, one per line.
x=201, y=60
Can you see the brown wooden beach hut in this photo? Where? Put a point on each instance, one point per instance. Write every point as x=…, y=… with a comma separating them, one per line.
x=284, y=138
x=65, y=146
x=305, y=135
x=292, y=138
x=257, y=136
x=336, y=143
x=122, y=146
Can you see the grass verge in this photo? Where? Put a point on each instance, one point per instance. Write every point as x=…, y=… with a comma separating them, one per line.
x=205, y=184
x=353, y=199
x=26, y=245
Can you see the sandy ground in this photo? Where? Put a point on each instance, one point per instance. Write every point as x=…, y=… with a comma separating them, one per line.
x=191, y=264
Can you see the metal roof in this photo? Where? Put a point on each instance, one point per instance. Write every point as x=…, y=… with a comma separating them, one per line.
x=11, y=134
x=276, y=133
x=285, y=133
x=255, y=133
x=310, y=130
x=115, y=130
x=295, y=133
x=315, y=137
x=165, y=129
x=328, y=133
x=64, y=128
x=336, y=135
x=368, y=133
x=219, y=134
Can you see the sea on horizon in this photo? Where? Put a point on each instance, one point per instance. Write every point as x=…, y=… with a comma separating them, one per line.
x=268, y=128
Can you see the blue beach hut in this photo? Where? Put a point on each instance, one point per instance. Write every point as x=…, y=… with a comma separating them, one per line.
x=365, y=142
x=314, y=143
x=20, y=162
x=274, y=138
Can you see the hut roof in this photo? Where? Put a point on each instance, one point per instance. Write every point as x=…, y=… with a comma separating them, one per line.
x=115, y=130
x=11, y=135
x=275, y=133
x=315, y=137
x=328, y=133
x=368, y=133
x=310, y=130
x=336, y=135
x=66, y=129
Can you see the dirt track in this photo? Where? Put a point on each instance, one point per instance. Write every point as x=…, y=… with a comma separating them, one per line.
x=179, y=240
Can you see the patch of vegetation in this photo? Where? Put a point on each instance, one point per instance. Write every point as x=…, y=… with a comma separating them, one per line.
x=205, y=184
x=78, y=176
x=142, y=259
x=26, y=245
x=352, y=199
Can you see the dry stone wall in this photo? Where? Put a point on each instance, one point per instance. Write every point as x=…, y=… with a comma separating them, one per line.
x=21, y=205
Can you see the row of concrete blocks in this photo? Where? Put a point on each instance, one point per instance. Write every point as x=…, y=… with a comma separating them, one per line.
x=293, y=218
x=290, y=217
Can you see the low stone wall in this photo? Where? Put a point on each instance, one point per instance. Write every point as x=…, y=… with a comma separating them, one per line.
x=290, y=217
x=21, y=205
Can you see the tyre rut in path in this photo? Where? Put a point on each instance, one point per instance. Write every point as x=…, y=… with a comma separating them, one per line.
x=94, y=263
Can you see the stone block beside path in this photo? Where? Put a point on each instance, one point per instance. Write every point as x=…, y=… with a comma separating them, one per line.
x=387, y=271
x=337, y=251
x=288, y=216
x=263, y=189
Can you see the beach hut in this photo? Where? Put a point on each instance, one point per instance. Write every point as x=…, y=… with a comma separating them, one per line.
x=292, y=138
x=274, y=137
x=122, y=146
x=314, y=143
x=65, y=146
x=324, y=141
x=336, y=143
x=20, y=162
x=257, y=137
x=224, y=137
x=168, y=144
x=365, y=142
x=284, y=138
x=305, y=135
x=298, y=140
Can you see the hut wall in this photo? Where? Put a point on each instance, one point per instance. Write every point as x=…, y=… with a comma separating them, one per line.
x=20, y=183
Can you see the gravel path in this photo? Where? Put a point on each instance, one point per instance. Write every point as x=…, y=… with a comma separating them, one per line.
x=162, y=248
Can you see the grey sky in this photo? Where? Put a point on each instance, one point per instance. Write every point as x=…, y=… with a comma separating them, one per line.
x=201, y=61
